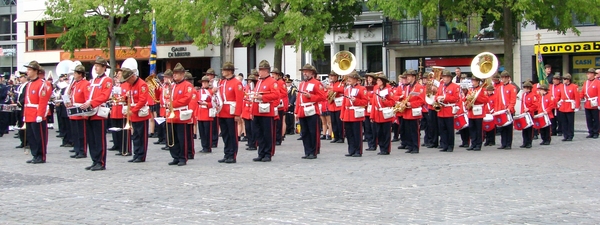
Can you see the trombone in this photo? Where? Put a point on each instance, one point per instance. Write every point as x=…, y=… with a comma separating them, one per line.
x=127, y=127
x=171, y=138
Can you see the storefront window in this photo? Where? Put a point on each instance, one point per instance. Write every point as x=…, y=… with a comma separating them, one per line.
x=323, y=64
x=374, y=58
x=580, y=64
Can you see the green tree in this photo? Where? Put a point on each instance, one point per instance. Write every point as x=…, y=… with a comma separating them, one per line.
x=556, y=15
x=105, y=22
x=303, y=22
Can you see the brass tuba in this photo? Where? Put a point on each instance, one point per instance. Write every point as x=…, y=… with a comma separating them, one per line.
x=484, y=65
x=153, y=83
x=344, y=62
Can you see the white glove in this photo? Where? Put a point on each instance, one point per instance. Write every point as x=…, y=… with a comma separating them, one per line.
x=124, y=110
x=38, y=119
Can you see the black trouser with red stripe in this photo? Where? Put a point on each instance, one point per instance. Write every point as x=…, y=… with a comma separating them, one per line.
x=204, y=130
x=37, y=136
x=446, y=129
x=369, y=136
x=382, y=132
x=79, y=137
x=310, y=134
x=96, y=139
x=337, y=126
x=278, y=126
x=411, y=133
x=191, y=151
x=591, y=119
x=229, y=134
x=178, y=132
x=353, y=132
x=250, y=134
x=264, y=129
x=432, y=133
x=140, y=139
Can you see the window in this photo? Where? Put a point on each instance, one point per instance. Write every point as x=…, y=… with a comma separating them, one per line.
x=323, y=64
x=374, y=56
x=8, y=29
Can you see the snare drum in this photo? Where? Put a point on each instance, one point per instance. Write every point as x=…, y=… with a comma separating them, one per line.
x=541, y=120
x=488, y=123
x=502, y=118
x=76, y=111
x=461, y=121
x=522, y=121
x=7, y=108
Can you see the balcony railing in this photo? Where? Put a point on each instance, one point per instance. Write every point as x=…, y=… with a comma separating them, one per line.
x=476, y=29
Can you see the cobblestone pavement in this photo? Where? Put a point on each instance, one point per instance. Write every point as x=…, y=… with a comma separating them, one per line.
x=556, y=184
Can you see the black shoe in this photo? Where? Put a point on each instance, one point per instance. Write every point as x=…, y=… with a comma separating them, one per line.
x=486, y=144
x=507, y=148
x=564, y=139
x=67, y=145
x=522, y=146
x=244, y=139
x=402, y=147
x=266, y=159
x=214, y=146
x=323, y=137
x=190, y=156
x=440, y=147
x=341, y=141
x=383, y=153
x=370, y=149
x=570, y=139
x=97, y=167
x=535, y=137
x=414, y=152
x=395, y=140
x=407, y=151
x=60, y=136
x=80, y=156
x=138, y=160
x=470, y=148
x=424, y=144
x=131, y=160
x=311, y=156
x=39, y=161
x=173, y=163
x=443, y=150
x=73, y=156
x=19, y=146
x=545, y=143
x=595, y=136
x=364, y=140
x=478, y=148
x=300, y=138
x=222, y=160
x=328, y=137
x=432, y=146
x=502, y=147
x=90, y=167
x=528, y=146
x=29, y=161
x=113, y=148
x=205, y=151
x=449, y=150
x=493, y=143
x=333, y=141
x=589, y=136
x=181, y=163
x=194, y=136
x=278, y=143
x=251, y=149
x=257, y=159
x=463, y=146
x=304, y=157
x=165, y=148
x=156, y=142
x=348, y=155
x=357, y=155
x=230, y=161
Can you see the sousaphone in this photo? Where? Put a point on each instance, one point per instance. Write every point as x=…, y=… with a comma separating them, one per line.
x=343, y=63
x=484, y=65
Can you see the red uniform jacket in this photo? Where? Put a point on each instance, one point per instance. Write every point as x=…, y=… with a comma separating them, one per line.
x=247, y=111
x=567, y=95
x=554, y=91
x=338, y=88
x=507, y=98
x=590, y=90
x=360, y=100
x=481, y=99
x=138, y=91
x=80, y=93
x=163, y=99
x=451, y=91
x=369, y=106
x=36, y=100
x=285, y=102
x=317, y=94
x=204, y=96
x=529, y=102
x=416, y=98
x=181, y=95
x=270, y=92
x=491, y=103
x=232, y=94
x=379, y=101
x=102, y=86
x=116, y=111
x=546, y=104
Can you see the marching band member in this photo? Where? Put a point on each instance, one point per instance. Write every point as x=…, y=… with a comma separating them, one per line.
x=51, y=104
x=528, y=105
x=179, y=97
x=193, y=105
x=101, y=87
x=397, y=91
x=336, y=85
x=212, y=85
x=5, y=99
x=590, y=92
x=464, y=133
x=448, y=95
x=476, y=111
x=369, y=126
x=506, y=100
x=230, y=92
x=204, y=117
x=139, y=113
x=490, y=136
x=251, y=136
x=310, y=93
x=413, y=112
x=64, y=125
x=166, y=87
x=79, y=94
x=122, y=138
x=281, y=107
x=432, y=135
x=266, y=97
x=156, y=108
x=545, y=105
x=37, y=95
x=353, y=113
x=290, y=118
x=382, y=114
x=20, y=101
x=554, y=90
x=569, y=103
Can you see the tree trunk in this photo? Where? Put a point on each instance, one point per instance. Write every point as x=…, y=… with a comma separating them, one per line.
x=112, y=44
x=278, y=57
x=508, y=40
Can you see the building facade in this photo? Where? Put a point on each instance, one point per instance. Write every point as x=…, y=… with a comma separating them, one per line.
x=37, y=41
x=8, y=37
